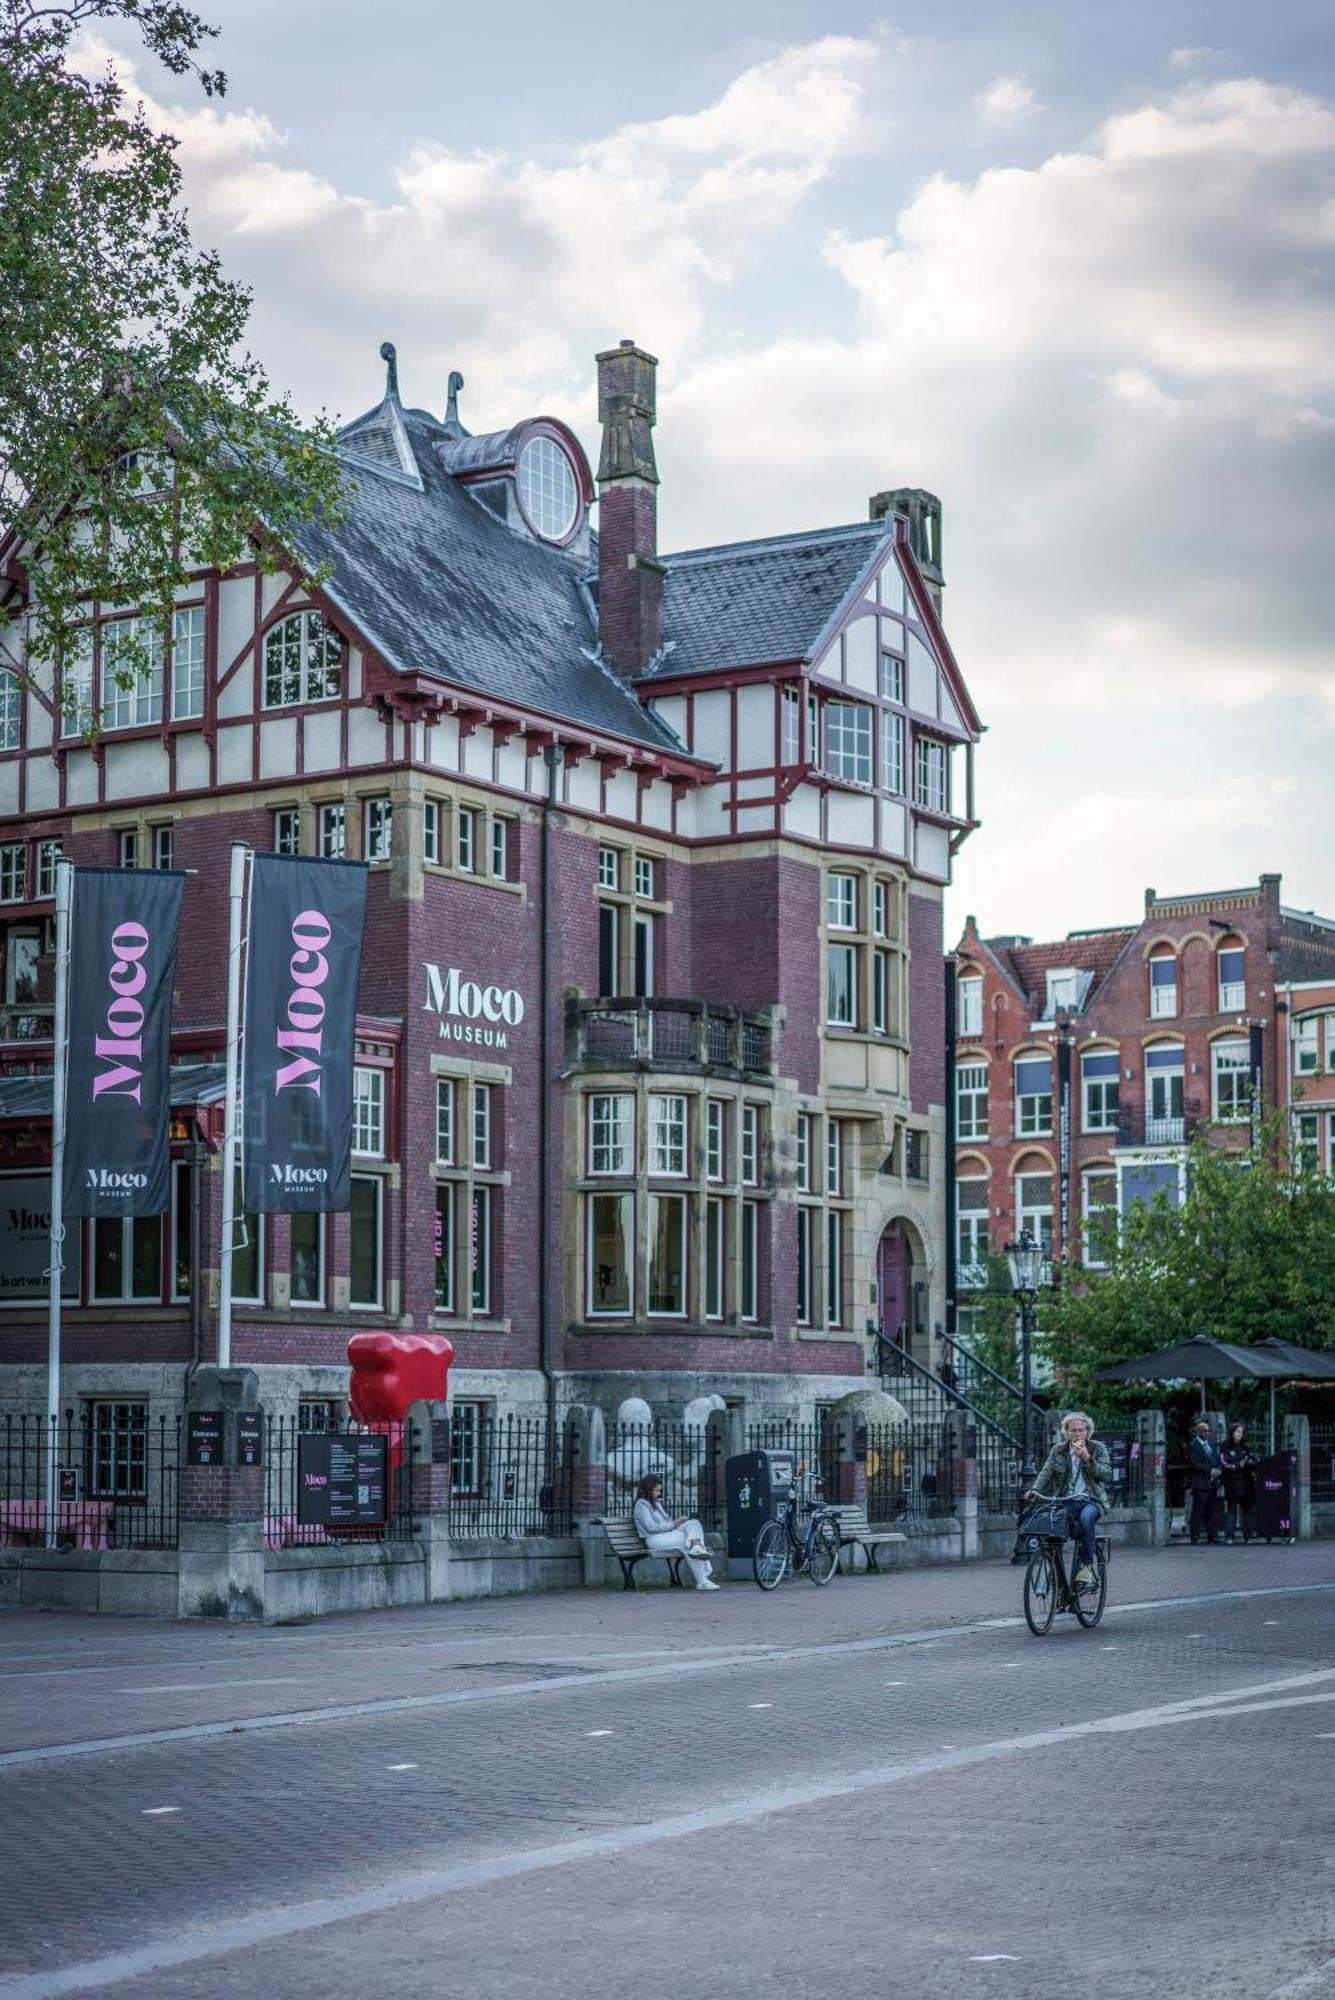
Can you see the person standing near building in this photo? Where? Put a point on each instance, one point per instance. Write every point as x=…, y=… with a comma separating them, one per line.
x=1239, y=1483
x=1205, y=1472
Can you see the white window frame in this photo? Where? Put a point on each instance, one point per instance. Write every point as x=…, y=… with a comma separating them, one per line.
x=971, y=1083
x=376, y=1304
x=500, y=848
x=681, y=1207
x=834, y=1157
x=322, y=1267
x=287, y=830
x=609, y=867
x=312, y=679
x=164, y=845
x=644, y=877
x=834, y=1268
x=969, y=1006
x=931, y=775
x=1163, y=997
x=15, y=936
x=625, y=1200
x=126, y=1296
x=668, y=1132
x=849, y=955
x=748, y=1267
x=446, y=1129
x=14, y=872
x=749, y=1146
x=465, y=843
x=11, y=712
x=790, y=725
x=1028, y=1215
x=1088, y=1211
x=1092, y=1087
x=138, y=706
x=1232, y=992
x=890, y=677
x=973, y=1234
x=431, y=831
x=716, y=1138
x=377, y=829
x=1029, y=1120
x=127, y=847
x=188, y=664
x=368, y=1112
x=77, y=714
x=1235, y=1113
x=841, y=901
x=611, y=1138
x=481, y=1126
x=805, y=1133
x=332, y=825
x=1305, y=1045
x=48, y=854
x=848, y=741
x=892, y=752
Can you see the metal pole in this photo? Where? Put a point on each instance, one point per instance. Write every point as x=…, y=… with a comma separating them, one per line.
x=1027, y=1470
x=64, y=887
x=236, y=898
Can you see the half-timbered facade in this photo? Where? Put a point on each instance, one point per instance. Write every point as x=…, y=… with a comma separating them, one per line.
x=651, y=1084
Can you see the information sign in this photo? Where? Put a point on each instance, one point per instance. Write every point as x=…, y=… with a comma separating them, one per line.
x=342, y=1479
x=203, y=1437
x=249, y=1438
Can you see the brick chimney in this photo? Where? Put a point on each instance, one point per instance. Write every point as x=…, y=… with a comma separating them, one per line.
x=630, y=578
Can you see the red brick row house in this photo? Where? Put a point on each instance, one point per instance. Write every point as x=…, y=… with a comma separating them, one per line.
x=651, y=1084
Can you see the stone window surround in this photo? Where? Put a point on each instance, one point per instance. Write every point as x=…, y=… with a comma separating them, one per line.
x=815, y=1201
x=866, y=945
x=464, y=1176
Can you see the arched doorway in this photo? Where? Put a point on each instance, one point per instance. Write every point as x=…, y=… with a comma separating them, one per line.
x=901, y=1288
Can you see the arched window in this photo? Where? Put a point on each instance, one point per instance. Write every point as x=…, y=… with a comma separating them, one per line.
x=303, y=661
x=1231, y=960
x=1163, y=984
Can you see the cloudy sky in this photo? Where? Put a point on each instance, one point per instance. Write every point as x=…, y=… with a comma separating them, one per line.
x=1071, y=266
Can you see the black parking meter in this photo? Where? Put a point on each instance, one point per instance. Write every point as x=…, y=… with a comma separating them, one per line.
x=757, y=1484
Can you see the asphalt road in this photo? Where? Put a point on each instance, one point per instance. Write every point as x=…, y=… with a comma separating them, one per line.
x=886, y=1787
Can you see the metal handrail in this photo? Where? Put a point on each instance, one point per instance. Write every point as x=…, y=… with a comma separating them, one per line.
x=956, y=1396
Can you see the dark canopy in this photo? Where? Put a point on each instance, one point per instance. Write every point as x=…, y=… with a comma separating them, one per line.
x=1202, y=1360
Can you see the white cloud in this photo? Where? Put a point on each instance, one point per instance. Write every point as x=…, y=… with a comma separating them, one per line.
x=1006, y=101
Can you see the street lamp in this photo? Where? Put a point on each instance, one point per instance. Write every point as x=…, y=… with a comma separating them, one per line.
x=1026, y=1267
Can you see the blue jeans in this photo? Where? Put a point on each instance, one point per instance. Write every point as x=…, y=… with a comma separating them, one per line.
x=1086, y=1520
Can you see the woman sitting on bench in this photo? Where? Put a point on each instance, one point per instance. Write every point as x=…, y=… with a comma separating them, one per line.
x=665, y=1537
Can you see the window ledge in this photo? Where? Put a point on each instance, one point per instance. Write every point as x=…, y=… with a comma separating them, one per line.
x=691, y=1329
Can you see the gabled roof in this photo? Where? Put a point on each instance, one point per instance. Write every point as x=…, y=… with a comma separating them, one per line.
x=438, y=584
x=1097, y=953
x=746, y=604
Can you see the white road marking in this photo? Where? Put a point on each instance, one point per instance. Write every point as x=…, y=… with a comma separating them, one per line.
x=408, y=1891
x=994, y=1958
x=894, y=1684
x=156, y=1812
x=333, y=1711
x=190, y=1687
x=400, y=1767
x=1270, y=1621
x=1107, y=1649
x=598, y=1732
x=760, y=1704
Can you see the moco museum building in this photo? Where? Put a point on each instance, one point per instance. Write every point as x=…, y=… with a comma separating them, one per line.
x=650, y=1078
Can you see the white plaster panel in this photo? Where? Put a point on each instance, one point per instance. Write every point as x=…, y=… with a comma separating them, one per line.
x=852, y=820
x=893, y=636
x=233, y=754
x=656, y=807
x=892, y=585
x=80, y=778
x=39, y=722
x=933, y=851
x=584, y=786
x=43, y=787
x=922, y=677
x=9, y=787
x=278, y=747
x=711, y=810
x=949, y=712
x=417, y=738
x=443, y=744
x=477, y=754
x=536, y=776
x=755, y=819
x=860, y=654
x=671, y=709
x=894, y=828
x=713, y=727
x=755, y=788
x=802, y=812
x=830, y=665
x=236, y=611
x=356, y=679
x=272, y=588
x=512, y=764
x=755, y=725
x=135, y=770
x=192, y=763
x=623, y=795
x=321, y=745
x=234, y=699
x=366, y=737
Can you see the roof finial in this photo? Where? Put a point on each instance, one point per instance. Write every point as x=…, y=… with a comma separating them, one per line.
x=452, y=423
x=391, y=360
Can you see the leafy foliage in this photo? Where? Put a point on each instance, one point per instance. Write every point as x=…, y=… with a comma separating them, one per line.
x=138, y=438
x=1249, y=1256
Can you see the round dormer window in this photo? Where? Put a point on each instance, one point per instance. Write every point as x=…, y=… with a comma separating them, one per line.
x=548, y=489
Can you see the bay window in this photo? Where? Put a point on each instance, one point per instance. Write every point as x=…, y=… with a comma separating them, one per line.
x=667, y=1255
x=612, y=1134
x=667, y=1134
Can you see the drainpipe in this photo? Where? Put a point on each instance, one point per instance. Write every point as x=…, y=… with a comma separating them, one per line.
x=551, y=757
x=952, y=1193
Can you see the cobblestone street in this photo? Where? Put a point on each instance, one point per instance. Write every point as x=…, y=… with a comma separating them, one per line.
x=888, y=1784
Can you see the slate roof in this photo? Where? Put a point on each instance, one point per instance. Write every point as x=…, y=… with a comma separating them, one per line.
x=747, y=604
x=439, y=585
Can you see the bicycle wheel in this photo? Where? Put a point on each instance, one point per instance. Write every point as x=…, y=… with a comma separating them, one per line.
x=823, y=1554
x=1088, y=1599
x=769, y=1559
x=1040, y=1592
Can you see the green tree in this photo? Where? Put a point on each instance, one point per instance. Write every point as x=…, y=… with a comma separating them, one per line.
x=1250, y=1255
x=138, y=438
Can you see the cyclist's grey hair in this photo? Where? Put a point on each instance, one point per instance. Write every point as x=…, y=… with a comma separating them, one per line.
x=1076, y=1417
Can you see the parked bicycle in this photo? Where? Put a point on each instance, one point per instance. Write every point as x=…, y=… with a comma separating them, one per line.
x=780, y=1547
x=1049, y=1577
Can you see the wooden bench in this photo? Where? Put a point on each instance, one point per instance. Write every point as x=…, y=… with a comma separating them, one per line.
x=624, y=1540
x=855, y=1530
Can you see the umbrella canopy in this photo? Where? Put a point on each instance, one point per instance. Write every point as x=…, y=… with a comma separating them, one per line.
x=1202, y=1360
x=1308, y=1364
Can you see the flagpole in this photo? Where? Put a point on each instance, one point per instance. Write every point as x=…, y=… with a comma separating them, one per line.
x=64, y=885
x=236, y=898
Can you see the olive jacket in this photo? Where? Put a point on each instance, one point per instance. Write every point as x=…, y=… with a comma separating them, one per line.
x=1055, y=1480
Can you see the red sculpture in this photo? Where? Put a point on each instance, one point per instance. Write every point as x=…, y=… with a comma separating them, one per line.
x=391, y=1370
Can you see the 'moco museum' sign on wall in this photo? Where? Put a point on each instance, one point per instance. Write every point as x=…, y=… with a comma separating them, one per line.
x=469, y=1012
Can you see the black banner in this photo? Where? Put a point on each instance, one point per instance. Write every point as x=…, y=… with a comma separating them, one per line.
x=304, y=959
x=123, y=930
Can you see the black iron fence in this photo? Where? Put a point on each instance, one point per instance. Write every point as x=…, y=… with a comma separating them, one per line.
x=319, y=1487
x=999, y=1465
x=508, y=1476
x=686, y=1457
x=116, y=1473
x=910, y=1472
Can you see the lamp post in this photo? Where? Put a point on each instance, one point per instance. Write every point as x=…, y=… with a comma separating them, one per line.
x=1026, y=1267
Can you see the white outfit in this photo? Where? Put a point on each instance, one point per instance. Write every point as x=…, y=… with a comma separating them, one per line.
x=656, y=1531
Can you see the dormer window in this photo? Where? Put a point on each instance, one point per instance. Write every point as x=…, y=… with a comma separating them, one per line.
x=1066, y=988
x=548, y=489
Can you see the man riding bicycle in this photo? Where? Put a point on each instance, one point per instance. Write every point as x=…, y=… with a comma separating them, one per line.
x=1078, y=1471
